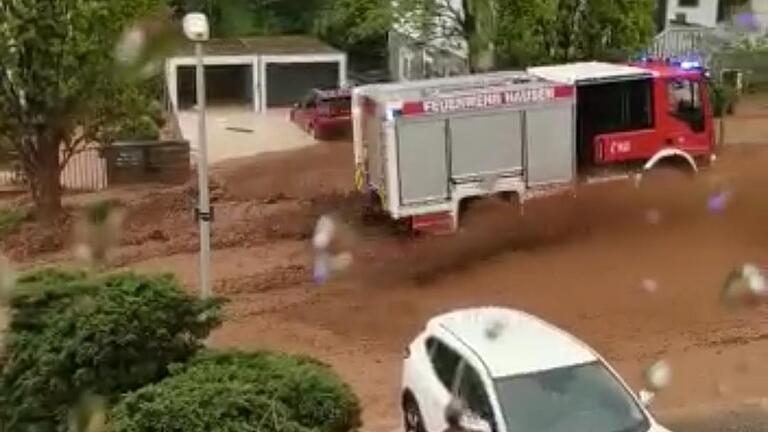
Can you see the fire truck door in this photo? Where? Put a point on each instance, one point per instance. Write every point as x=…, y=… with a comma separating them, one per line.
x=486, y=144
x=550, y=146
x=686, y=110
x=422, y=161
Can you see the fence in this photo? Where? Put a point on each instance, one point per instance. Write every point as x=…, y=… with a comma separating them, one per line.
x=680, y=42
x=85, y=172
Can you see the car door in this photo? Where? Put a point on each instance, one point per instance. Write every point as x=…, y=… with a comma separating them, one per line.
x=437, y=394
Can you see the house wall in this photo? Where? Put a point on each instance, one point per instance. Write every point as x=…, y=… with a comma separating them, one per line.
x=703, y=13
x=760, y=10
x=411, y=61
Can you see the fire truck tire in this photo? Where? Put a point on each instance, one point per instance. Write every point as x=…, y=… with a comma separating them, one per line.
x=665, y=174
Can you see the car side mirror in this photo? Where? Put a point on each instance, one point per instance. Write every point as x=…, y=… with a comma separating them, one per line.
x=474, y=423
x=646, y=397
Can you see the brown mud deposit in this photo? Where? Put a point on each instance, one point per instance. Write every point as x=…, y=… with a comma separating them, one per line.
x=579, y=261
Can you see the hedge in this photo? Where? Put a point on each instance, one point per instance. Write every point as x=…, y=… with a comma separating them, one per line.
x=72, y=334
x=234, y=391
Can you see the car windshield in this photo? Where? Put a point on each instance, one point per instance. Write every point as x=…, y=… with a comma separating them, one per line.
x=583, y=398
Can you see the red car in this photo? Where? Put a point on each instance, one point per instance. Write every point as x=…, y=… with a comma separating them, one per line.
x=325, y=114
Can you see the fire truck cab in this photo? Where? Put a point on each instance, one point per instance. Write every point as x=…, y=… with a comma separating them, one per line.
x=638, y=115
x=423, y=147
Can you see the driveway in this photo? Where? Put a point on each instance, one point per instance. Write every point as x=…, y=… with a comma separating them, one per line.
x=236, y=132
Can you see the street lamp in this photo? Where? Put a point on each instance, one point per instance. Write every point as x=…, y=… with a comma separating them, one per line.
x=197, y=30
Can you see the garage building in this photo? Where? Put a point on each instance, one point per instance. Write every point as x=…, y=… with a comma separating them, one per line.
x=256, y=73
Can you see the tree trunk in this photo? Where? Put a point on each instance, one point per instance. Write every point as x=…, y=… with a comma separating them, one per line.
x=43, y=172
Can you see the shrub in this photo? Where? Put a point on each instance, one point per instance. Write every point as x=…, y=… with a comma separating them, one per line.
x=723, y=99
x=242, y=392
x=11, y=219
x=72, y=334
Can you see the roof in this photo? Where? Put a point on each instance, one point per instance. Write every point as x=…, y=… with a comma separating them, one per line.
x=264, y=45
x=336, y=93
x=587, y=71
x=450, y=86
x=524, y=344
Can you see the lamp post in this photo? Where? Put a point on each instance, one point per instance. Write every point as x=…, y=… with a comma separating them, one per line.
x=197, y=30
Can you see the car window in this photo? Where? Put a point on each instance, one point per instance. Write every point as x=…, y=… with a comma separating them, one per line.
x=445, y=361
x=310, y=101
x=472, y=391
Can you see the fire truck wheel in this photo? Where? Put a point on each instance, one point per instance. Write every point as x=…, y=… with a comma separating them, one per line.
x=666, y=175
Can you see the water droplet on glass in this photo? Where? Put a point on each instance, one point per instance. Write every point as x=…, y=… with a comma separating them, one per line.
x=130, y=46
x=653, y=216
x=650, y=285
x=494, y=329
x=659, y=375
x=717, y=203
x=745, y=287
x=98, y=231
x=7, y=278
x=325, y=230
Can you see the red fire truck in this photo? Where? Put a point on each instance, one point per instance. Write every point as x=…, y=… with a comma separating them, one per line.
x=423, y=147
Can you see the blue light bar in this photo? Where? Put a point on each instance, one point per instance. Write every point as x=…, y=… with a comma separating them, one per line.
x=688, y=65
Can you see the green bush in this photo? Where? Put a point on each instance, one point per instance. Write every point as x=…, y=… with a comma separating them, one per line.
x=242, y=392
x=72, y=334
x=723, y=99
x=11, y=219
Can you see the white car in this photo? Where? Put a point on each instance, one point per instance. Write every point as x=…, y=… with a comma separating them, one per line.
x=514, y=373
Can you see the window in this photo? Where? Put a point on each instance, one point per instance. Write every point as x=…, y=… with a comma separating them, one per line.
x=612, y=107
x=445, y=361
x=688, y=3
x=472, y=391
x=583, y=398
x=406, y=64
x=684, y=100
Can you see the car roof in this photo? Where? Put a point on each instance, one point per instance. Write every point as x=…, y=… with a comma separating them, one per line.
x=523, y=344
x=334, y=93
x=573, y=73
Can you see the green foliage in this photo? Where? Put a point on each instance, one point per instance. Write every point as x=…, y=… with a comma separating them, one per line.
x=356, y=26
x=73, y=334
x=11, y=219
x=242, y=392
x=547, y=31
x=254, y=17
x=723, y=98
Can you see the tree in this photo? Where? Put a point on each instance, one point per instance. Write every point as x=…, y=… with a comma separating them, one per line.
x=59, y=89
x=467, y=25
x=356, y=26
x=547, y=31
x=232, y=18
